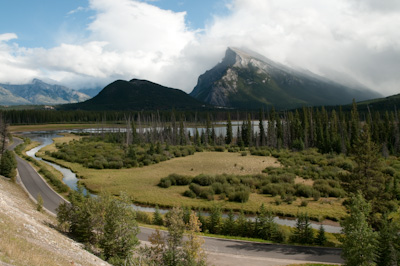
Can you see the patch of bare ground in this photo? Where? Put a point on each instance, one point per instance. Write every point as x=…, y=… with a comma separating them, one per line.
x=28, y=237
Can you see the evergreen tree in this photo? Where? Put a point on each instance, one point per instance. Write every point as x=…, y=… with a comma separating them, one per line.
x=215, y=219
x=120, y=230
x=261, y=129
x=176, y=228
x=229, y=224
x=157, y=218
x=266, y=227
x=355, y=122
x=320, y=240
x=8, y=164
x=359, y=245
x=303, y=233
x=241, y=225
x=388, y=244
x=229, y=133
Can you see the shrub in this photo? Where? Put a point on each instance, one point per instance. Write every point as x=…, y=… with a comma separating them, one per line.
x=195, y=188
x=240, y=196
x=273, y=189
x=304, y=191
x=218, y=188
x=303, y=203
x=189, y=193
x=204, y=180
x=165, y=182
x=219, y=148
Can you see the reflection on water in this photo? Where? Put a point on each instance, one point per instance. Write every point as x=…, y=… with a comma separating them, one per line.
x=70, y=179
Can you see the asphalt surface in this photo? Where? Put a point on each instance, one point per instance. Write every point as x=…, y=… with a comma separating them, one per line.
x=35, y=185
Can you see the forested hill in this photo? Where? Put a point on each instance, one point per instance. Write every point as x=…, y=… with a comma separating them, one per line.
x=137, y=95
x=390, y=103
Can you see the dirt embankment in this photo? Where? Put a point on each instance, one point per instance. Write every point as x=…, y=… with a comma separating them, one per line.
x=28, y=237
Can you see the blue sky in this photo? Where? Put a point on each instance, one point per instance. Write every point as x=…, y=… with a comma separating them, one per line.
x=90, y=43
x=40, y=23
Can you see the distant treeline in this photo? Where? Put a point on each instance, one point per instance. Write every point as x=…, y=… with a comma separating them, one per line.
x=332, y=130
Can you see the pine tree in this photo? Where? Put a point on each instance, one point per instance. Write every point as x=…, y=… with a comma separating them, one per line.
x=303, y=233
x=388, y=251
x=359, y=245
x=120, y=229
x=261, y=129
x=157, y=218
x=320, y=240
x=355, y=122
x=229, y=133
x=176, y=228
x=215, y=219
x=229, y=224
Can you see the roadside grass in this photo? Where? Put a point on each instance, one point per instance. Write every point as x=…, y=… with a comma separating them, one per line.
x=50, y=174
x=141, y=183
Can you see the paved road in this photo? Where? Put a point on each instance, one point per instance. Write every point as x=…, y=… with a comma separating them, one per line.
x=35, y=184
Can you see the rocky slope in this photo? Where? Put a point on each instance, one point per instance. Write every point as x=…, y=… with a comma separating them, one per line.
x=38, y=93
x=28, y=237
x=249, y=80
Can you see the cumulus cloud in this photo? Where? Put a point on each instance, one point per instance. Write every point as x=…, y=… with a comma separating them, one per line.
x=345, y=40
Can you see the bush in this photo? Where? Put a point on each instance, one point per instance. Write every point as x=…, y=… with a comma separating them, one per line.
x=273, y=189
x=189, y=193
x=239, y=196
x=219, y=148
x=304, y=191
x=204, y=180
x=165, y=182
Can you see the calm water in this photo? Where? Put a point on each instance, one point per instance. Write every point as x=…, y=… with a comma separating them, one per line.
x=46, y=138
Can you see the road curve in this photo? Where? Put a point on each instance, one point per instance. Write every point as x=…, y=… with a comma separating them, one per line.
x=35, y=185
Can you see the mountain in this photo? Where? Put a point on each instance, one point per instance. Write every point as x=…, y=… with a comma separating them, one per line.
x=38, y=93
x=390, y=103
x=247, y=80
x=137, y=95
x=91, y=92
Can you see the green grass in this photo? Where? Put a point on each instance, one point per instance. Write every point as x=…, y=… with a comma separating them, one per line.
x=141, y=183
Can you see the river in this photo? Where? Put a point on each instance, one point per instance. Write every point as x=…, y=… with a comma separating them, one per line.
x=70, y=179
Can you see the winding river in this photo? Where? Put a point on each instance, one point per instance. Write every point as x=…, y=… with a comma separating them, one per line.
x=46, y=138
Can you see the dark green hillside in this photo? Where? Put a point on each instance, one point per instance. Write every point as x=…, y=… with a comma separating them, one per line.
x=137, y=95
x=381, y=104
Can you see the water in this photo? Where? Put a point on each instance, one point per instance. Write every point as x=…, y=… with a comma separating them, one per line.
x=70, y=179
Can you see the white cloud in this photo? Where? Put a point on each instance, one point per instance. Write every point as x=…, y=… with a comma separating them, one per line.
x=7, y=37
x=132, y=39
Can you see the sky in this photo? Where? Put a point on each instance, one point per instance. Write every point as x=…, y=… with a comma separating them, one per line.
x=90, y=43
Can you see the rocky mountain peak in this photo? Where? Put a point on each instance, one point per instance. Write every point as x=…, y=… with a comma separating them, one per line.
x=245, y=79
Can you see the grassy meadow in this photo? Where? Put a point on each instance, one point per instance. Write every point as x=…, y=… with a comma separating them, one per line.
x=141, y=183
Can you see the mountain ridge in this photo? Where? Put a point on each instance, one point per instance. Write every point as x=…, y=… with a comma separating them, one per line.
x=38, y=93
x=247, y=80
